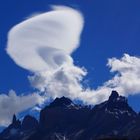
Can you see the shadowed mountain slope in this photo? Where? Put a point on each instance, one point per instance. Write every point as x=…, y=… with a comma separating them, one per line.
x=65, y=120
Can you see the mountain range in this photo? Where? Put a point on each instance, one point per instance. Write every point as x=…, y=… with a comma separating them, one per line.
x=65, y=120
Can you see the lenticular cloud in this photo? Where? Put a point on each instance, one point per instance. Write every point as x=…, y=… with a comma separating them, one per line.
x=45, y=41
x=43, y=44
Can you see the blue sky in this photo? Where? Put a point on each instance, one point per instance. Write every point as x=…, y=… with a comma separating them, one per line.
x=111, y=29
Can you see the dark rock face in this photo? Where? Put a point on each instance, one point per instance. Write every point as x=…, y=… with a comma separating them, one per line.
x=108, y=118
x=14, y=119
x=12, y=131
x=60, y=102
x=17, y=129
x=114, y=95
x=29, y=123
x=64, y=120
x=63, y=116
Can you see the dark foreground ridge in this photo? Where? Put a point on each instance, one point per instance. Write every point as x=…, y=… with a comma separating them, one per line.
x=64, y=120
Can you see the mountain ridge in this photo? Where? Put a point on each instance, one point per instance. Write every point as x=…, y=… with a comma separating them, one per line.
x=63, y=119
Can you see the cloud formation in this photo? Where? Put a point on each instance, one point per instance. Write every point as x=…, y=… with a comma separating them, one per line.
x=43, y=44
x=67, y=81
x=127, y=79
x=13, y=104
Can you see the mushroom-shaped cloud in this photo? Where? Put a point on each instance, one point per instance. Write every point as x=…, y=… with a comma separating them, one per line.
x=45, y=41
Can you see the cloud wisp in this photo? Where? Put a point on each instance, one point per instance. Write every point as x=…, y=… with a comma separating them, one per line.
x=43, y=44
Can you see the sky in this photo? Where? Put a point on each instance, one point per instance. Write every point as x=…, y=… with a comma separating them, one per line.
x=110, y=30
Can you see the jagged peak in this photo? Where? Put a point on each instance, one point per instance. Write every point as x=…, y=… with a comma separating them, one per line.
x=15, y=122
x=14, y=119
x=114, y=111
x=114, y=102
x=115, y=97
x=63, y=101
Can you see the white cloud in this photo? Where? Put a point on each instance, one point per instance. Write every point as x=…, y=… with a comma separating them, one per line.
x=67, y=81
x=13, y=104
x=43, y=44
x=127, y=79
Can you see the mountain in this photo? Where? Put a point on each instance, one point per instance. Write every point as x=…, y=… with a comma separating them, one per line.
x=65, y=120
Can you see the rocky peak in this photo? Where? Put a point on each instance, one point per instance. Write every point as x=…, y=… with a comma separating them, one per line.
x=14, y=119
x=61, y=102
x=15, y=122
x=116, y=105
x=114, y=95
x=119, y=106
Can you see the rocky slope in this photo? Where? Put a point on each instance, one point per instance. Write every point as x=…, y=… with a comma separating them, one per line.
x=64, y=120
